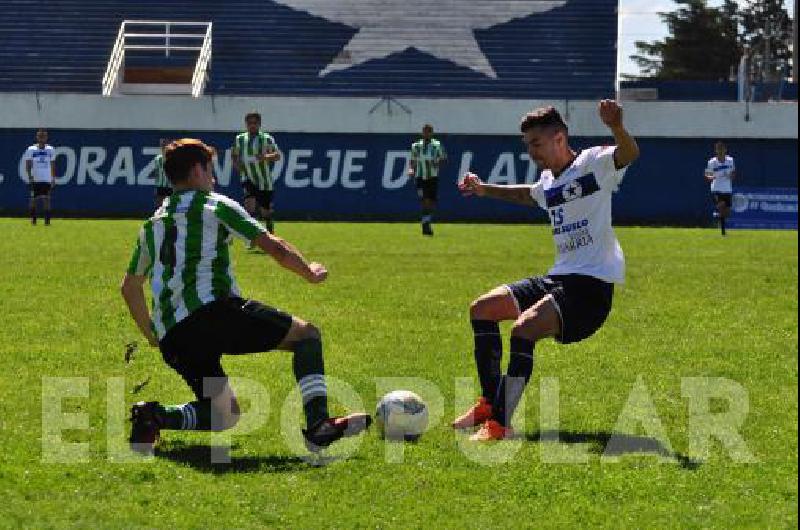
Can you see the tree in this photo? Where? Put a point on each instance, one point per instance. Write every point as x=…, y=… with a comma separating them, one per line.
x=703, y=43
x=767, y=31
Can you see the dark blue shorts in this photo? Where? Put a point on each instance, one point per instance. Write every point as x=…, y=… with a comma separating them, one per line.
x=583, y=302
x=264, y=198
x=726, y=198
x=428, y=188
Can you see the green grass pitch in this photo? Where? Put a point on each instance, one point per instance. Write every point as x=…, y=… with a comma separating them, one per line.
x=395, y=305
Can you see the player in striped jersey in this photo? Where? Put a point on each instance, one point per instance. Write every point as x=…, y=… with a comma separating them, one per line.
x=199, y=314
x=163, y=187
x=427, y=155
x=254, y=153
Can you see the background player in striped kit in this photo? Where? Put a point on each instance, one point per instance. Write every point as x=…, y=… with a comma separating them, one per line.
x=163, y=186
x=720, y=173
x=427, y=155
x=199, y=314
x=254, y=153
x=40, y=168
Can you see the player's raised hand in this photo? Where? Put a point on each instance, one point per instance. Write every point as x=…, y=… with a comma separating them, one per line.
x=471, y=185
x=610, y=113
x=318, y=272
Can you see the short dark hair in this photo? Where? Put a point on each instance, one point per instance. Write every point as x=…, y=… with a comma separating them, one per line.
x=720, y=142
x=180, y=156
x=427, y=127
x=252, y=115
x=546, y=117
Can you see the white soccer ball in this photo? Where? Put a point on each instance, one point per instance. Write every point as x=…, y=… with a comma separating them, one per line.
x=401, y=415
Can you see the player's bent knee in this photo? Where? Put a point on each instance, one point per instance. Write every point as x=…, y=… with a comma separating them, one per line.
x=527, y=328
x=496, y=305
x=481, y=309
x=225, y=414
x=308, y=331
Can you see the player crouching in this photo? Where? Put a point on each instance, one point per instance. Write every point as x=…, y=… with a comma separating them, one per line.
x=199, y=314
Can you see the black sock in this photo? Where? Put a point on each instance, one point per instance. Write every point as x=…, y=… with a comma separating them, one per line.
x=47, y=217
x=270, y=224
x=309, y=370
x=427, y=216
x=488, y=354
x=509, y=391
x=33, y=215
x=722, y=225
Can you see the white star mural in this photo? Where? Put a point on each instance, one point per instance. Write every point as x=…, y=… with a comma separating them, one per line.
x=441, y=28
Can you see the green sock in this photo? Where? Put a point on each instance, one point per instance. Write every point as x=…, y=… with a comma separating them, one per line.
x=194, y=416
x=309, y=370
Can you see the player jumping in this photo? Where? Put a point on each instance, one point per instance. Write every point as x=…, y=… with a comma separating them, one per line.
x=573, y=300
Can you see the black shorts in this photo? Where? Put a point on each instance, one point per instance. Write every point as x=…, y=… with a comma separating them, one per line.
x=263, y=198
x=726, y=198
x=163, y=191
x=583, y=302
x=194, y=347
x=40, y=189
x=428, y=188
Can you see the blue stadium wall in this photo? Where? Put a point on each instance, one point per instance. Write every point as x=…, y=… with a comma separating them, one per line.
x=361, y=176
x=535, y=48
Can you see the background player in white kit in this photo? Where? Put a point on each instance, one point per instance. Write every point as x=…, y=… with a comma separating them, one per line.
x=720, y=172
x=573, y=300
x=40, y=168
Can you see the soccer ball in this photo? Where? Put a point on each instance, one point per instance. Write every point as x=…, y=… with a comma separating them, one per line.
x=401, y=415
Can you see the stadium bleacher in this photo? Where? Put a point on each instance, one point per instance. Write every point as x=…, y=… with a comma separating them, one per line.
x=266, y=47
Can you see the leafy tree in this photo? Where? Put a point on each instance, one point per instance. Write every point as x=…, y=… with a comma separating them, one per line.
x=703, y=43
x=767, y=31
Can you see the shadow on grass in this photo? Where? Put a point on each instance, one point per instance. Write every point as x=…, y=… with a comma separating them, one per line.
x=199, y=457
x=614, y=445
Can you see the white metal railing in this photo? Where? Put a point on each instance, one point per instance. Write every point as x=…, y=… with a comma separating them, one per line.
x=114, y=63
x=132, y=35
x=200, y=76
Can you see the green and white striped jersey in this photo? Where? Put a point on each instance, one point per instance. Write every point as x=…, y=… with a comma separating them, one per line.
x=184, y=250
x=426, y=158
x=161, y=178
x=247, y=147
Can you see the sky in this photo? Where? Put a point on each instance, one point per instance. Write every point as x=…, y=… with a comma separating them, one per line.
x=639, y=20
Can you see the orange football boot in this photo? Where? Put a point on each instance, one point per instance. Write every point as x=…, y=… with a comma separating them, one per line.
x=490, y=431
x=476, y=415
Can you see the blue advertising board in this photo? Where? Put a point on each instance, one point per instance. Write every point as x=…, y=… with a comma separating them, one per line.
x=774, y=208
x=362, y=176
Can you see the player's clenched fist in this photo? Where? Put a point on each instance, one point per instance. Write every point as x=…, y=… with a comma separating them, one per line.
x=471, y=185
x=610, y=113
x=318, y=272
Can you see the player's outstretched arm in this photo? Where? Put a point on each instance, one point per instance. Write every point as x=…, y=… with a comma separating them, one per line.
x=471, y=185
x=133, y=292
x=627, y=150
x=290, y=258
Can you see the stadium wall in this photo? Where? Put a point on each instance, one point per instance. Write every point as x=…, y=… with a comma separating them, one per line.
x=345, y=158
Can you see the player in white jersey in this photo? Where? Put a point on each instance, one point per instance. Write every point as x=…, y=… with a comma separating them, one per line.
x=40, y=168
x=573, y=300
x=720, y=173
